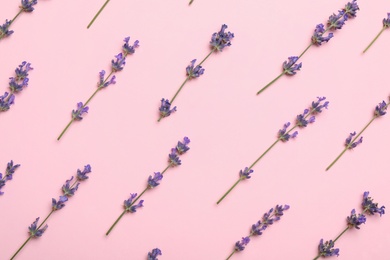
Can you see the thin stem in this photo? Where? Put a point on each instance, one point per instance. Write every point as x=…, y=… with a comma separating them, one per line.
x=272, y=82
x=89, y=99
x=169, y=165
x=266, y=151
x=372, y=42
x=353, y=140
x=317, y=257
x=342, y=233
x=177, y=92
x=191, y=2
x=116, y=222
x=13, y=19
x=308, y=47
x=231, y=188
x=208, y=55
x=97, y=14
x=231, y=255
x=66, y=128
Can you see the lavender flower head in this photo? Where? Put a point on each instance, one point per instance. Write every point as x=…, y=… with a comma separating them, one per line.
x=34, y=232
x=23, y=70
x=317, y=106
x=356, y=220
x=194, y=72
x=15, y=86
x=68, y=189
x=182, y=147
x=128, y=49
x=4, y=32
x=290, y=67
x=165, y=108
x=350, y=9
x=354, y=144
x=153, y=255
x=77, y=114
x=57, y=205
x=257, y=228
x=283, y=135
x=318, y=37
x=27, y=5
x=221, y=39
x=337, y=21
x=386, y=22
x=370, y=207
x=380, y=109
x=279, y=211
x=155, y=181
x=128, y=204
x=174, y=159
x=240, y=245
x=82, y=175
x=301, y=119
x=246, y=173
x=102, y=83
x=119, y=63
x=6, y=102
x=327, y=248
x=11, y=168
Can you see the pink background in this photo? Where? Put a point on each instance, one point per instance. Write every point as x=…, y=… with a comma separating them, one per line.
x=229, y=127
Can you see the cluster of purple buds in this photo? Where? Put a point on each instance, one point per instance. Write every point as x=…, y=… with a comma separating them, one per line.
x=245, y=174
x=327, y=248
x=9, y=171
x=35, y=231
x=165, y=108
x=290, y=67
x=284, y=135
x=318, y=37
x=16, y=84
x=154, y=254
x=194, y=72
x=221, y=39
x=27, y=5
x=181, y=148
x=350, y=144
x=370, y=207
x=386, y=21
x=128, y=204
x=81, y=109
x=380, y=110
x=356, y=220
x=4, y=32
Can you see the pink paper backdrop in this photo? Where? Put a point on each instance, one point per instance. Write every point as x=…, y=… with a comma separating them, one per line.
x=229, y=127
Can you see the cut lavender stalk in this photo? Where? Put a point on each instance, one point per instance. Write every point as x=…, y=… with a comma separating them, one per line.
x=257, y=229
x=98, y=13
x=386, y=24
x=16, y=85
x=335, y=22
x=116, y=65
x=26, y=6
x=173, y=160
x=8, y=175
x=354, y=220
x=284, y=135
x=353, y=140
x=219, y=40
x=68, y=190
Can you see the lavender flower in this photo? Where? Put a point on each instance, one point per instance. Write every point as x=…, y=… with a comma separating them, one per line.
x=353, y=140
x=279, y=209
x=354, y=220
x=335, y=21
x=68, y=189
x=194, y=72
x=82, y=175
x=22, y=71
x=6, y=102
x=246, y=173
x=35, y=231
x=9, y=171
x=174, y=160
x=219, y=41
x=57, y=205
x=290, y=67
x=116, y=65
x=4, y=32
x=287, y=133
x=386, y=21
x=240, y=245
x=27, y=5
x=153, y=255
x=386, y=24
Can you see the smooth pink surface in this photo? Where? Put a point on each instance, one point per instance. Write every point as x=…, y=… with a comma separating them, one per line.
x=229, y=127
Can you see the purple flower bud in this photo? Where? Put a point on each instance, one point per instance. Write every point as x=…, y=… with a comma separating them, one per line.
x=77, y=114
x=22, y=70
x=182, y=147
x=11, y=168
x=4, y=32
x=127, y=203
x=351, y=8
x=283, y=135
x=386, y=22
x=290, y=67
x=119, y=63
x=246, y=173
x=155, y=181
x=326, y=249
x=240, y=245
x=69, y=190
x=134, y=208
x=102, y=83
x=370, y=207
x=349, y=140
x=356, y=220
x=6, y=102
x=82, y=175
x=174, y=159
x=194, y=72
x=380, y=109
x=336, y=21
x=165, y=108
x=15, y=86
x=317, y=106
x=257, y=228
x=33, y=229
x=153, y=255
x=318, y=37
x=57, y=205
x=128, y=49
x=221, y=39
x=27, y=5
x=279, y=211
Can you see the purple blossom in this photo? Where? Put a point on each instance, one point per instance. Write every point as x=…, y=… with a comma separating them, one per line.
x=165, y=108
x=246, y=173
x=102, y=81
x=17, y=87
x=283, y=135
x=301, y=119
x=68, y=189
x=386, y=22
x=128, y=49
x=279, y=211
x=34, y=232
x=82, y=175
x=27, y=5
x=11, y=168
x=240, y=245
x=337, y=21
x=221, y=39
x=22, y=70
x=380, y=109
x=128, y=204
x=6, y=102
x=257, y=228
x=119, y=63
x=268, y=219
x=318, y=37
x=182, y=147
x=290, y=67
x=326, y=249
x=77, y=114
x=153, y=255
x=174, y=159
x=349, y=140
x=134, y=208
x=356, y=220
x=317, y=106
x=370, y=207
x=194, y=72
x=4, y=32
x=154, y=181
x=350, y=9
x=57, y=205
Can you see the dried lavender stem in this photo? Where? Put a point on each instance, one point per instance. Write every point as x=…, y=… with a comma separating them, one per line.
x=372, y=42
x=308, y=47
x=231, y=255
x=272, y=82
x=13, y=19
x=231, y=188
x=97, y=14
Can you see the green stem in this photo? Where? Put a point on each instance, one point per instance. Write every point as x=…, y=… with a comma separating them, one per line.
x=169, y=165
x=208, y=55
x=371, y=43
x=266, y=151
x=342, y=233
x=347, y=146
x=66, y=128
x=231, y=188
x=116, y=222
x=272, y=82
x=308, y=47
x=191, y=2
x=231, y=255
x=97, y=14
x=13, y=19
x=317, y=257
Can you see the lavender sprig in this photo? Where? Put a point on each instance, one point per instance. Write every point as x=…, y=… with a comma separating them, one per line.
x=116, y=65
x=353, y=140
x=173, y=160
x=8, y=175
x=257, y=229
x=335, y=22
x=154, y=254
x=16, y=85
x=26, y=6
x=284, y=135
x=97, y=14
x=354, y=220
x=219, y=40
x=386, y=24
x=68, y=191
